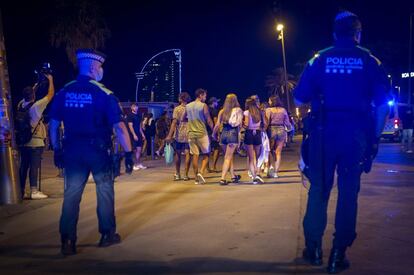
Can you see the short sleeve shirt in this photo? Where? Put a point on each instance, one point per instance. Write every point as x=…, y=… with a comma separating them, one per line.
x=87, y=108
x=181, y=131
x=36, y=113
x=348, y=78
x=135, y=119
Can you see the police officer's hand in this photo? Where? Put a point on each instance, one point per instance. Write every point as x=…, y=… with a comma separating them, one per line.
x=135, y=138
x=143, y=137
x=129, y=163
x=58, y=158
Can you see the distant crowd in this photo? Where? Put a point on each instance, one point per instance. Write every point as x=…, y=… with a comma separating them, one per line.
x=197, y=130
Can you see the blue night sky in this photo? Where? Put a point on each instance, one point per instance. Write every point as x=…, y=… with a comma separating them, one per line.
x=226, y=45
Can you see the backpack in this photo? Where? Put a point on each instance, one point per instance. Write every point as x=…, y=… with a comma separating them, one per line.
x=236, y=117
x=22, y=126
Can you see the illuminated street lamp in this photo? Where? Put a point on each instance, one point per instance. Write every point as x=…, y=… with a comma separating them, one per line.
x=280, y=28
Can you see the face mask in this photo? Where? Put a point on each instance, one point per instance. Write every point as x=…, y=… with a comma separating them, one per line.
x=99, y=74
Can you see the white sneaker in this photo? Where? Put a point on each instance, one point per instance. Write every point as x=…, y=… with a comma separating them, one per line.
x=275, y=176
x=136, y=167
x=37, y=195
x=258, y=179
x=200, y=178
x=140, y=166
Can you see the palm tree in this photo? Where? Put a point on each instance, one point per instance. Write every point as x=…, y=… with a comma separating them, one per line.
x=79, y=24
x=275, y=85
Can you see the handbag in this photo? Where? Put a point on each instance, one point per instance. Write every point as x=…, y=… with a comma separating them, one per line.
x=169, y=153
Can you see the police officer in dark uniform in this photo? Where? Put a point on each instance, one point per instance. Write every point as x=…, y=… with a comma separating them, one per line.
x=89, y=112
x=348, y=90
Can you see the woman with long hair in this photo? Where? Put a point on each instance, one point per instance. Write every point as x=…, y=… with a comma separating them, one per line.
x=278, y=122
x=230, y=118
x=253, y=137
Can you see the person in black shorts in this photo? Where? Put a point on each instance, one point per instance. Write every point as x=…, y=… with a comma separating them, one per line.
x=135, y=128
x=253, y=137
x=213, y=103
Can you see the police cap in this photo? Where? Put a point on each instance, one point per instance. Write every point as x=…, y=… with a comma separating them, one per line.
x=90, y=54
x=346, y=24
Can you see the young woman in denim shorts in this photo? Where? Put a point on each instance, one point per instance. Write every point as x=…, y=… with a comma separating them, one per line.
x=278, y=122
x=230, y=118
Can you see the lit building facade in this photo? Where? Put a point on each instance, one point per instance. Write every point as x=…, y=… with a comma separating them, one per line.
x=160, y=80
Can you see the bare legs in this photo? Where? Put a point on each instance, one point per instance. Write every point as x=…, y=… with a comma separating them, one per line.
x=228, y=160
x=186, y=162
x=279, y=148
x=253, y=153
x=204, y=164
x=138, y=155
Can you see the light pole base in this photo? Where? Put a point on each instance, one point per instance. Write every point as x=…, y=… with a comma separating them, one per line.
x=9, y=181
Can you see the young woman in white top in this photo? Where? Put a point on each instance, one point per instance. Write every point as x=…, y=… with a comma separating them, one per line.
x=253, y=137
x=230, y=117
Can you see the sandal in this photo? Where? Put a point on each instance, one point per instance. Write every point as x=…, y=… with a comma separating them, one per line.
x=223, y=182
x=236, y=179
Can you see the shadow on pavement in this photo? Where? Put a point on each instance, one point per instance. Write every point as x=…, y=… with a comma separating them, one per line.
x=60, y=264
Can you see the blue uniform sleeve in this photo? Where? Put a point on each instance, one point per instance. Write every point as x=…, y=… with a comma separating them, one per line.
x=380, y=84
x=57, y=107
x=306, y=86
x=113, y=112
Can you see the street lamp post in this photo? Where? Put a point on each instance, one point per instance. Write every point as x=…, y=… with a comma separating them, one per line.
x=10, y=192
x=140, y=75
x=281, y=37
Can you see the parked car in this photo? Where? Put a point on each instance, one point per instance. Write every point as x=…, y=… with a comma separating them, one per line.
x=393, y=126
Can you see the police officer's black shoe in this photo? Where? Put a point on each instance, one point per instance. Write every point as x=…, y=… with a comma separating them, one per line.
x=337, y=261
x=313, y=256
x=68, y=247
x=109, y=239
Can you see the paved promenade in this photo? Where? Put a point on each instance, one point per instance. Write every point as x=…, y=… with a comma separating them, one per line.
x=182, y=228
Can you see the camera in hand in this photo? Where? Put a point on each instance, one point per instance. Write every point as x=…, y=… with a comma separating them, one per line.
x=42, y=82
x=44, y=70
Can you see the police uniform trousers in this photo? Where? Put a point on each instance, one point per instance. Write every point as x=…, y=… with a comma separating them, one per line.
x=81, y=159
x=339, y=147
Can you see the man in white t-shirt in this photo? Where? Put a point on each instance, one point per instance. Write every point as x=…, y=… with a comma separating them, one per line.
x=31, y=152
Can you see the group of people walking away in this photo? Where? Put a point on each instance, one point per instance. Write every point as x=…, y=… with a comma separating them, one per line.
x=231, y=129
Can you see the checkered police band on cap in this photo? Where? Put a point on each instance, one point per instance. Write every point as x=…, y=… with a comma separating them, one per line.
x=90, y=54
x=344, y=14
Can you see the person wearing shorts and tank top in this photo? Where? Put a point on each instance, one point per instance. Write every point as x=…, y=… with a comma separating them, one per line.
x=278, y=122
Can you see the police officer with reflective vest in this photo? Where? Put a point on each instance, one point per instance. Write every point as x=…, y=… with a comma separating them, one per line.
x=347, y=88
x=89, y=112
